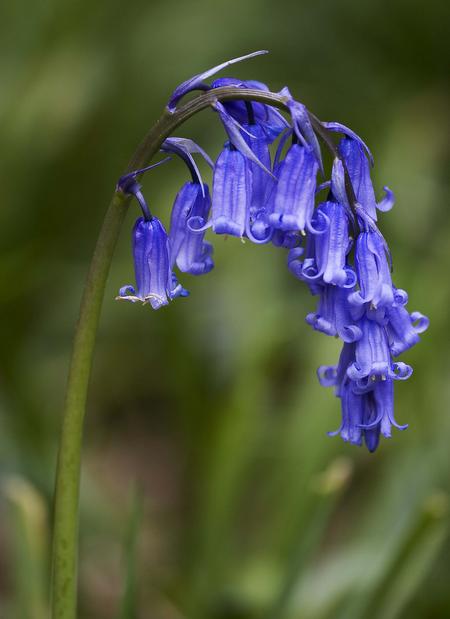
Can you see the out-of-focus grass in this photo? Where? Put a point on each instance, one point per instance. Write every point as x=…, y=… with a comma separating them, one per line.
x=28, y=550
x=212, y=404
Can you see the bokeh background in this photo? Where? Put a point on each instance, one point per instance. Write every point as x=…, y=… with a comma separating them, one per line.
x=210, y=489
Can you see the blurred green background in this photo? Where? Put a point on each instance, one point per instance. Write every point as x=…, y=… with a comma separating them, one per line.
x=210, y=489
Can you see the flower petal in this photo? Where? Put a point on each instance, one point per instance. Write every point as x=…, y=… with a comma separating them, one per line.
x=387, y=202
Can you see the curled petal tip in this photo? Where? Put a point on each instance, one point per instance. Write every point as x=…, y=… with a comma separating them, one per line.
x=420, y=322
x=387, y=202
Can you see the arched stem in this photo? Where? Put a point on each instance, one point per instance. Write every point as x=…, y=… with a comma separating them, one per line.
x=66, y=502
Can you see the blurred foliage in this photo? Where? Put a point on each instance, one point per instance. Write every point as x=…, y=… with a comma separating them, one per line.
x=211, y=405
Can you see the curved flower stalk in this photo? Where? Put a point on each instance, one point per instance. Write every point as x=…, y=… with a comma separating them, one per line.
x=334, y=246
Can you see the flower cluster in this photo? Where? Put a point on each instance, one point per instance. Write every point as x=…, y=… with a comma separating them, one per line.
x=334, y=246
x=358, y=302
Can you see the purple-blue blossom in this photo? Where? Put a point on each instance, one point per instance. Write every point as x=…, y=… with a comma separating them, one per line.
x=332, y=244
x=373, y=358
x=332, y=316
x=374, y=276
x=155, y=282
x=231, y=193
x=353, y=152
x=188, y=248
x=293, y=202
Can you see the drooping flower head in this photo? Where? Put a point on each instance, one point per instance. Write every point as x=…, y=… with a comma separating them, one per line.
x=334, y=243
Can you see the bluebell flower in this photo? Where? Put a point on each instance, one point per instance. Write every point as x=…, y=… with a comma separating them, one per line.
x=332, y=244
x=328, y=246
x=288, y=239
x=368, y=414
x=239, y=191
x=155, y=282
x=262, y=182
x=367, y=411
x=293, y=203
x=231, y=193
x=188, y=249
x=333, y=316
x=404, y=328
x=352, y=152
x=240, y=183
x=359, y=305
x=251, y=142
x=373, y=359
x=276, y=202
x=262, y=185
x=374, y=276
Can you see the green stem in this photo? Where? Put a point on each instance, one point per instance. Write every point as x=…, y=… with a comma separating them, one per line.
x=65, y=533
